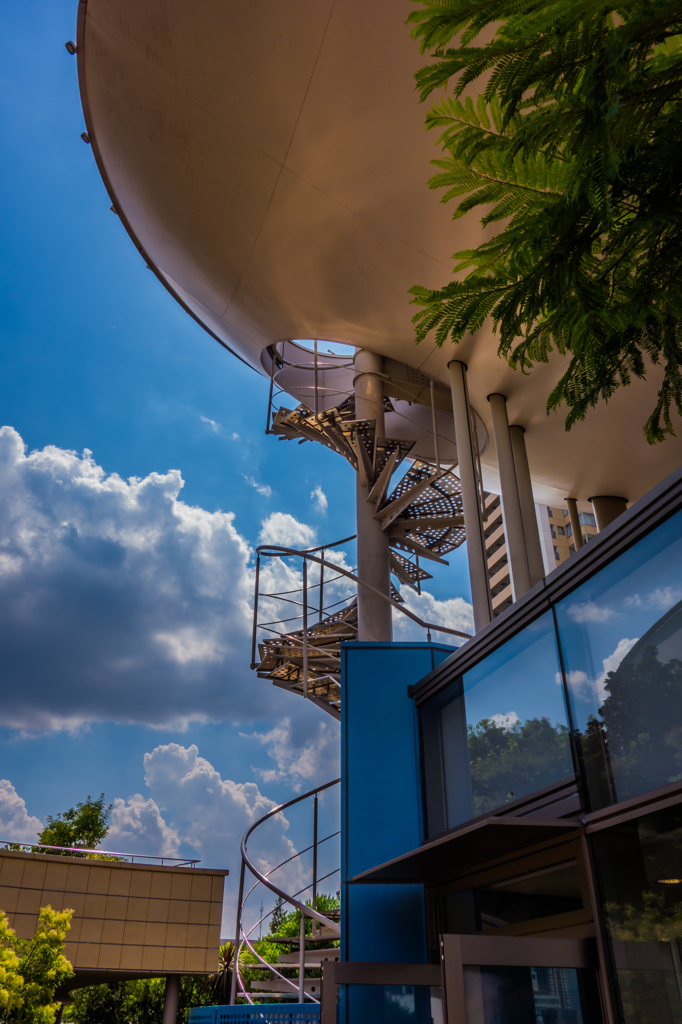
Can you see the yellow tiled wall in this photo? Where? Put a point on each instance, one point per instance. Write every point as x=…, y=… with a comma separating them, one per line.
x=127, y=917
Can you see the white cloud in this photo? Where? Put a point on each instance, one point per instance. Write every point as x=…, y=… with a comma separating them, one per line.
x=590, y=612
x=235, y=436
x=16, y=824
x=610, y=664
x=584, y=688
x=211, y=814
x=282, y=529
x=263, y=489
x=301, y=757
x=118, y=601
x=505, y=722
x=215, y=427
x=664, y=597
x=137, y=826
x=319, y=499
x=456, y=613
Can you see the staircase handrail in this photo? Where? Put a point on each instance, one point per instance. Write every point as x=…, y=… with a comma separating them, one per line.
x=273, y=550
x=308, y=911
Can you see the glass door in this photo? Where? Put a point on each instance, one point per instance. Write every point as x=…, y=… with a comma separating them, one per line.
x=514, y=980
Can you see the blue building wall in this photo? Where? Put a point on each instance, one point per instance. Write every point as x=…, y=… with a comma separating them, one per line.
x=381, y=814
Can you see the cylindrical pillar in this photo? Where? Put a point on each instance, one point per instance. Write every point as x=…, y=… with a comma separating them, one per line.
x=374, y=614
x=511, y=506
x=170, y=999
x=607, y=508
x=536, y=566
x=576, y=527
x=473, y=523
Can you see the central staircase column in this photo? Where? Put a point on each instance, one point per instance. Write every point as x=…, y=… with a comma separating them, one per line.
x=374, y=614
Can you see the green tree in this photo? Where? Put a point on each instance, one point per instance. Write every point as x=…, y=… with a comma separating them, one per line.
x=506, y=763
x=571, y=152
x=82, y=826
x=31, y=970
x=134, y=1002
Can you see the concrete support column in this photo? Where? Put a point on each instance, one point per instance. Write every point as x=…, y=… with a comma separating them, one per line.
x=574, y=516
x=511, y=505
x=607, y=508
x=374, y=614
x=170, y=999
x=473, y=523
x=536, y=566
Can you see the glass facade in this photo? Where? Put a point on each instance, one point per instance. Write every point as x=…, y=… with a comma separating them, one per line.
x=497, y=733
x=621, y=638
x=640, y=873
x=400, y=1004
x=530, y=995
x=545, y=893
x=501, y=731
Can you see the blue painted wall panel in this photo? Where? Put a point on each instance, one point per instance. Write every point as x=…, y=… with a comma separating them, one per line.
x=381, y=806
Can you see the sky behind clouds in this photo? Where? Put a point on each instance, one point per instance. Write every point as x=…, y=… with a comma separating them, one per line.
x=135, y=483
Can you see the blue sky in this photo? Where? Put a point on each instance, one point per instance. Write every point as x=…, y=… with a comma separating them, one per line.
x=95, y=355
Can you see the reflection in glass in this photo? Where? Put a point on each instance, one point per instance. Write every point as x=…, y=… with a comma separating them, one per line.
x=530, y=995
x=396, y=1004
x=552, y=890
x=499, y=732
x=640, y=869
x=621, y=636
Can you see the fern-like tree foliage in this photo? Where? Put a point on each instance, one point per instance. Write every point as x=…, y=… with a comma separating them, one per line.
x=573, y=150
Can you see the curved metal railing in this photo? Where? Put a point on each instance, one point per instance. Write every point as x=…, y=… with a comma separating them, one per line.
x=242, y=937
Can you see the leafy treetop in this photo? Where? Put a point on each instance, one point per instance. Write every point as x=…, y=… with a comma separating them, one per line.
x=82, y=826
x=572, y=150
x=31, y=970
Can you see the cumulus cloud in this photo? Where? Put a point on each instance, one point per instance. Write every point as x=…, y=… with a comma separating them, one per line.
x=455, y=613
x=594, y=690
x=215, y=427
x=299, y=756
x=119, y=601
x=662, y=598
x=16, y=824
x=137, y=826
x=283, y=530
x=319, y=499
x=590, y=612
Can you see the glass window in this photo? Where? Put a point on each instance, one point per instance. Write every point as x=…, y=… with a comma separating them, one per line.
x=544, y=893
x=524, y=995
x=587, y=519
x=498, y=733
x=550, y=513
x=553, y=531
x=561, y=531
x=569, y=530
x=556, y=553
x=621, y=635
x=640, y=873
x=396, y=1004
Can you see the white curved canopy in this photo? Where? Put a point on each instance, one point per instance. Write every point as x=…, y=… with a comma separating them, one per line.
x=270, y=162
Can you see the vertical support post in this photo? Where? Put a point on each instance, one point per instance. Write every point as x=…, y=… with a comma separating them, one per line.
x=374, y=614
x=322, y=585
x=536, y=566
x=170, y=999
x=315, y=855
x=255, y=614
x=305, y=627
x=272, y=383
x=473, y=524
x=436, y=449
x=607, y=508
x=317, y=413
x=301, y=961
x=237, y=937
x=511, y=506
x=576, y=527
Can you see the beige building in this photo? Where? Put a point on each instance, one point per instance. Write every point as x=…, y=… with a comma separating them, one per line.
x=129, y=920
x=557, y=535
